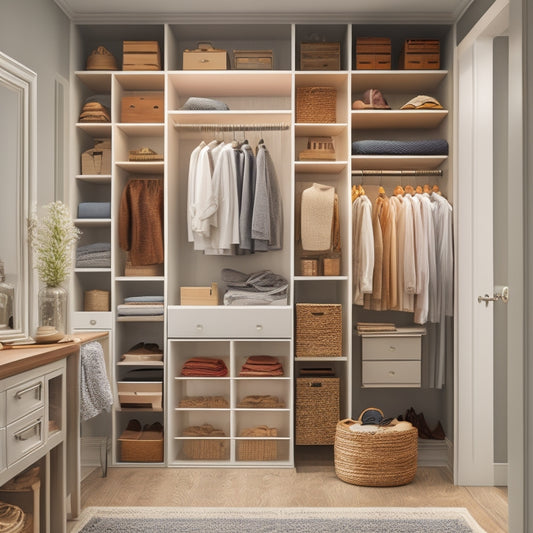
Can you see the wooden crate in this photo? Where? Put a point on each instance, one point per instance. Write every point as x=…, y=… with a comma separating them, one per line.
x=141, y=450
x=320, y=56
x=420, y=54
x=373, y=53
x=199, y=295
x=141, y=55
x=252, y=59
x=149, y=107
x=140, y=393
x=317, y=410
x=205, y=57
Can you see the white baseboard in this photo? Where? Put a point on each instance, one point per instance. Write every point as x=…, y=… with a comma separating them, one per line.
x=435, y=453
x=500, y=474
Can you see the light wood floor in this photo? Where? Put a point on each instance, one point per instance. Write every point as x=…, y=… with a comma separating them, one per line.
x=311, y=484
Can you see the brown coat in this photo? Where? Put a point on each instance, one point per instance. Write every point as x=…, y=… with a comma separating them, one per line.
x=140, y=223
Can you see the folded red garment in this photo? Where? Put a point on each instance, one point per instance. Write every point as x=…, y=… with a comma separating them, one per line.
x=262, y=359
x=200, y=373
x=205, y=361
x=255, y=373
x=261, y=368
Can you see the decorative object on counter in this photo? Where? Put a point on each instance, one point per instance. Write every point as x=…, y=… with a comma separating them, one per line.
x=97, y=160
x=94, y=210
x=97, y=108
x=252, y=59
x=96, y=255
x=199, y=295
x=260, y=288
x=143, y=108
x=318, y=148
x=144, y=154
x=372, y=99
x=47, y=335
x=7, y=297
x=373, y=53
x=52, y=239
x=422, y=101
x=195, y=103
x=318, y=330
x=205, y=57
x=320, y=55
x=316, y=104
x=420, y=54
x=141, y=55
x=101, y=59
x=96, y=300
x=394, y=147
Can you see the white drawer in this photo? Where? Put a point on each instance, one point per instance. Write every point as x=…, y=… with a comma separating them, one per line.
x=24, y=398
x=3, y=460
x=390, y=347
x=229, y=322
x=24, y=436
x=3, y=421
x=92, y=320
x=391, y=373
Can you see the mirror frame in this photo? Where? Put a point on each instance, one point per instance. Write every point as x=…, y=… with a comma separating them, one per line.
x=23, y=81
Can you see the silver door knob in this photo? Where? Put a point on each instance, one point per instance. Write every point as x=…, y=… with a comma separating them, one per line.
x=501, y=294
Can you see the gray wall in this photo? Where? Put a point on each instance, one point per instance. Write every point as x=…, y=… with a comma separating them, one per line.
x=474, y=12
x=36, y=34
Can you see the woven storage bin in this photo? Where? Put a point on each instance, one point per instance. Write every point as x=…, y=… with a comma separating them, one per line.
x=316, y=104
x=205, y=449
x=96, y=300
x=309, y=267
x=318, y=330
x=141, y=451
x=257, y=450
x=387, y=458
x=317, y=410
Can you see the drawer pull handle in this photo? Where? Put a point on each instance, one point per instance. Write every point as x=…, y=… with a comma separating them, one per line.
x=392, y=373
x=392, y=348
x=259, y=327
x=20, y=435
x=204, y=60
x=93, y=322
x=19, y=394
x=315, y=384
x=199, y=327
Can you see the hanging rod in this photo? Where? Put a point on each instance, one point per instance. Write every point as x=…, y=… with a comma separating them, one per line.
x=234, y=127
x=397, y=172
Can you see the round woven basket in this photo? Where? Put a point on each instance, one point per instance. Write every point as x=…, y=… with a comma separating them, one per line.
x=387, y=458
x=316, y=104
x=96, y=300
x=12, y=518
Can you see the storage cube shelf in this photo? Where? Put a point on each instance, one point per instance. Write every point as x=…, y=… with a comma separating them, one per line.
x=262, y=103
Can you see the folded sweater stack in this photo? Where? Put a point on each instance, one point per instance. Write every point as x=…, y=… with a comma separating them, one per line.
x=142, y=306
x=261, y=365
x=205, y=430
x=204, y=367
x=259, y=431
x=259, y=288
x=97, y=255
x=210, y=402
x=264, y=401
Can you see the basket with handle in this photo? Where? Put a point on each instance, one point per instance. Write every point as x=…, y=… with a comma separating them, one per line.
x=385, y=458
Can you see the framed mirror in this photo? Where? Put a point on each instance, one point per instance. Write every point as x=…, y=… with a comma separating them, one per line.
x=17, y=192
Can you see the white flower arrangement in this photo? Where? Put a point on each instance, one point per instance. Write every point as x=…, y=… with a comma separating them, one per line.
x=52, y=238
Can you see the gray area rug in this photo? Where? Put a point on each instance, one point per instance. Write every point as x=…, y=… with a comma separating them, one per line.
x=272, y=520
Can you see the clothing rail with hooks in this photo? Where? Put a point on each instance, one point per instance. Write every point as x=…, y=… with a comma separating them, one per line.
x=397, y=172
x=234, y=127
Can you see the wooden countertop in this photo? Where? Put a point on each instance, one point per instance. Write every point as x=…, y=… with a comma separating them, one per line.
x=15, y=361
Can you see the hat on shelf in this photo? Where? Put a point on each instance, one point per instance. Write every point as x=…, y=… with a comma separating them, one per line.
x=96, y=109
x=422, y=101
x=144, y=154
x=372, y=99
x=101, y=59
x=318, y=148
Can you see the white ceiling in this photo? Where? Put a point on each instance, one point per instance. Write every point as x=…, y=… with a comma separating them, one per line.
x=170, y=11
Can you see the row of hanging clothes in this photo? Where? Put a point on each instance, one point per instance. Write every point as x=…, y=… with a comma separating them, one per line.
x=403, y=259
x=234, y=204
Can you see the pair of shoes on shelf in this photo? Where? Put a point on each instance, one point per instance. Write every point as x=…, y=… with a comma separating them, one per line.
x=135, y=431
x=418, y=420
x=143, y=351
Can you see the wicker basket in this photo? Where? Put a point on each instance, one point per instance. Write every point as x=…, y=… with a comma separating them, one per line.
x=309, y=267
x=318, y=330
x=316, y=104
x=205, y=449
x=141, y=451
x=317, y=410
x=96, y=300
x=257, y=450
x=387, y=458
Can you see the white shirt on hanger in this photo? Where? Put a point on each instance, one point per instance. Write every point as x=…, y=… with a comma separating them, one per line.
x=363, y=248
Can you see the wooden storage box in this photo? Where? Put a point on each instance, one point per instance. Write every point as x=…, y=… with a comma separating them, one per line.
x=149, y=107
x=309, y=267
x=257, y=449
x=141, y=450
x=320, y=56
x=143, y=270
x=373, y=53
x=24, y=492
x=97, y=160
x=331, y=266
x=420, y=54
x=316, y=104
x=141, y=55
x=146, y=394
x=252, y=59
x=318, y=330
x=205, y=57
x=205, y=449
x=96, y=300
x=317, y=410
x=199, y=295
